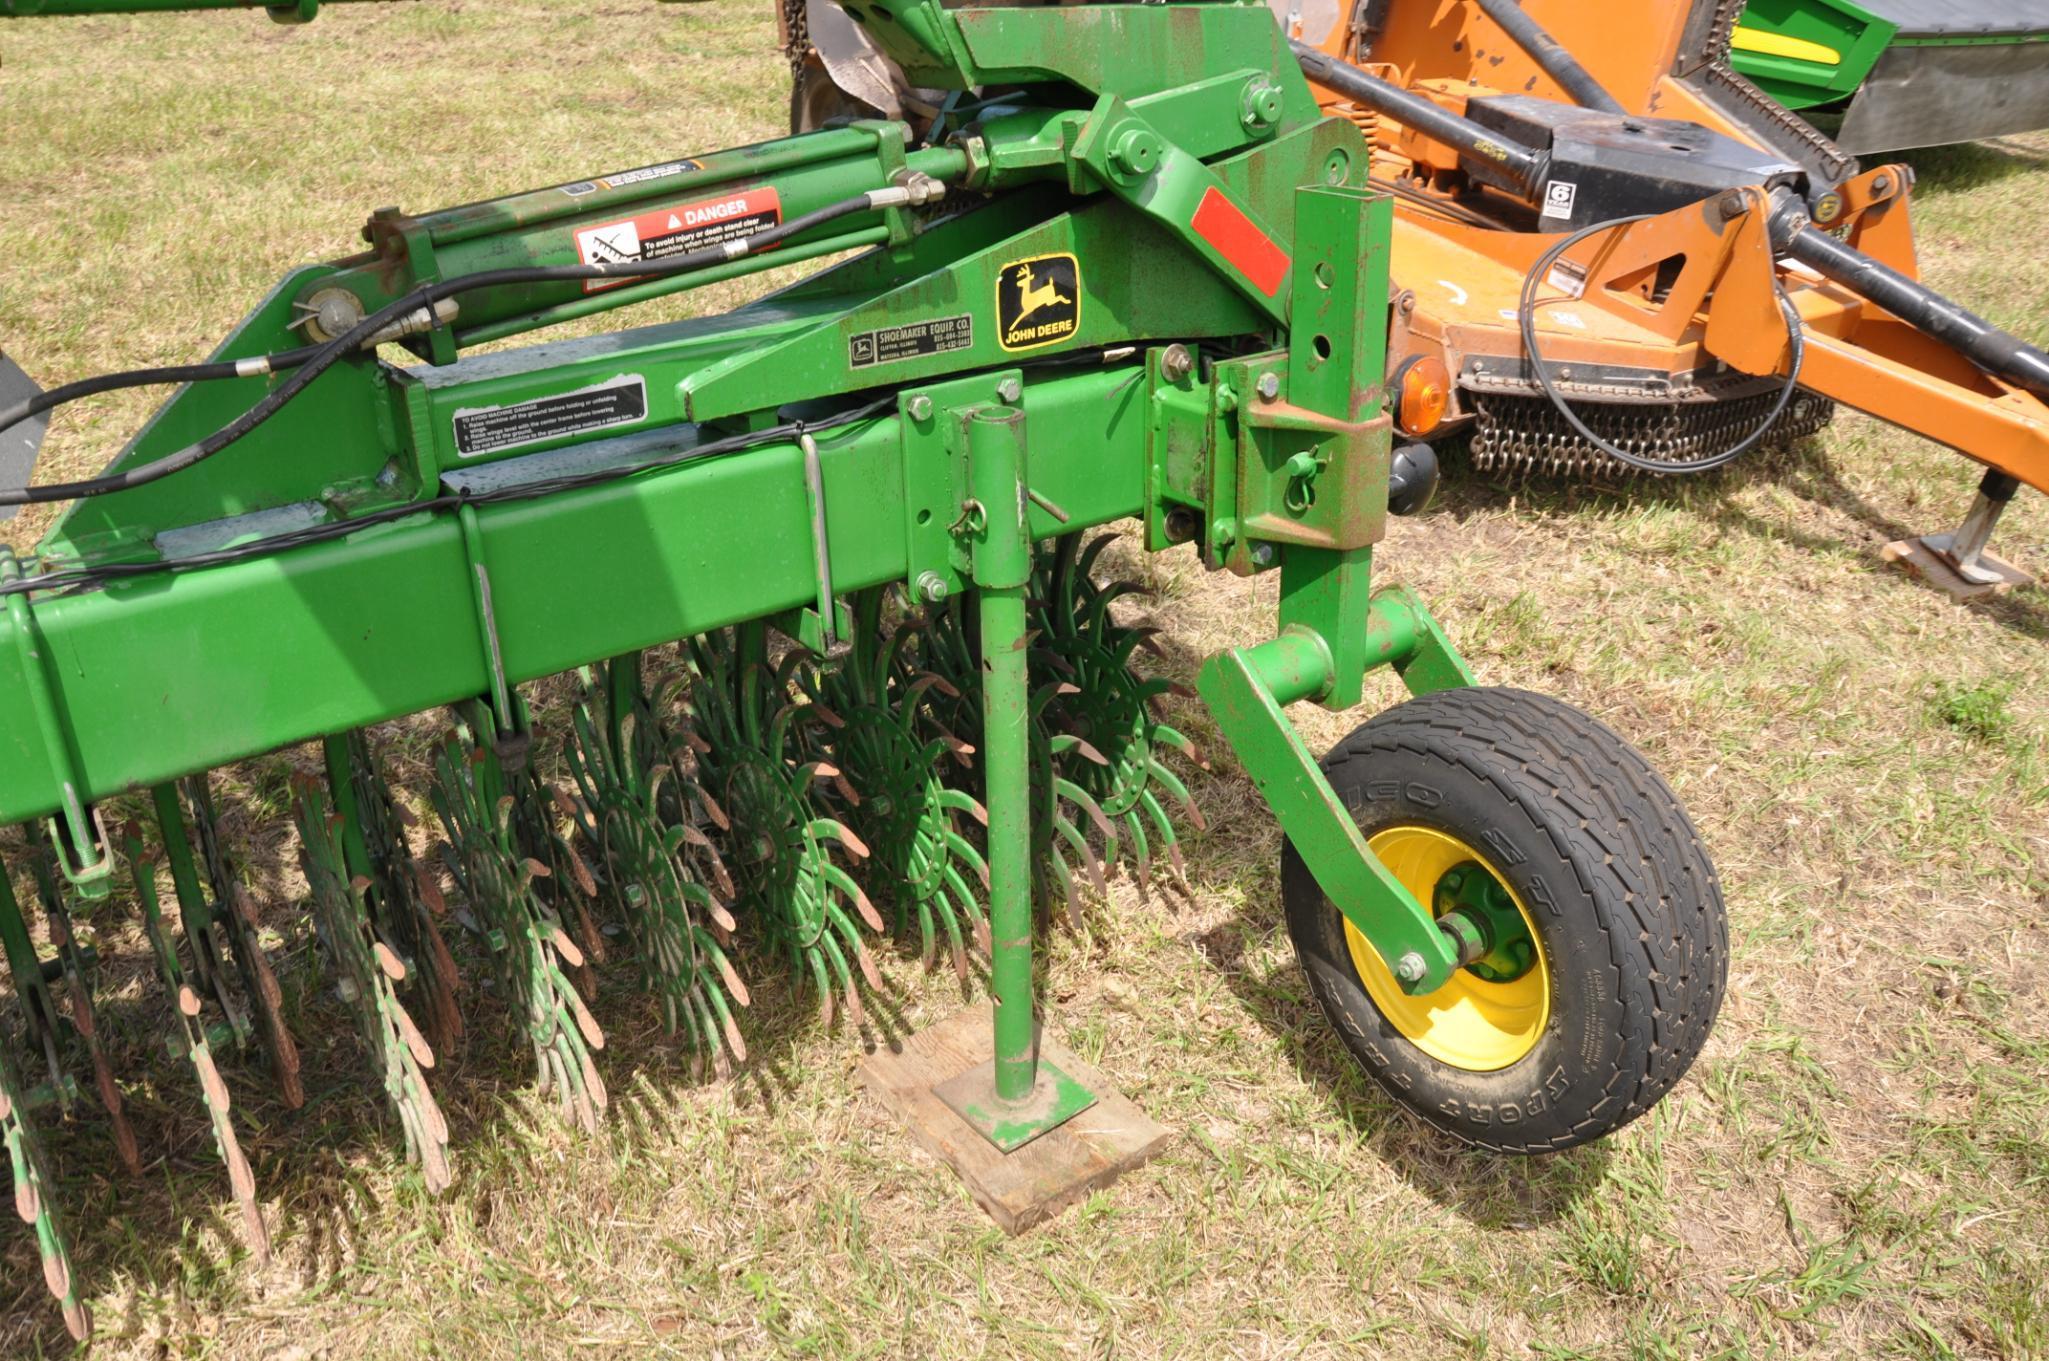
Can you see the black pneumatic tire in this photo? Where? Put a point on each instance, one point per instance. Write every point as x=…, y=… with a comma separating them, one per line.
x=1628, y=908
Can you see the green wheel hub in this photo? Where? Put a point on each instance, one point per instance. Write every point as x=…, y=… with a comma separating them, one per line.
x=1469, y=896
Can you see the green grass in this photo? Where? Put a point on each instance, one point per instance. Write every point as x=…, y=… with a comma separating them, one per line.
x=1857, y=1166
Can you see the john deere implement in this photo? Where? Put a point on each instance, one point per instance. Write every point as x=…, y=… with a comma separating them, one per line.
x=843, y=664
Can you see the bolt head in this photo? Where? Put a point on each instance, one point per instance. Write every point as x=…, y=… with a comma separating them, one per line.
x=932, y=588
x=1410, y=968
x=920, y=408
x=1135, y=152
x=1269, y=386
x=1009, y=390
x=1881, y=186
x=1263, y=555
x=1176, y=363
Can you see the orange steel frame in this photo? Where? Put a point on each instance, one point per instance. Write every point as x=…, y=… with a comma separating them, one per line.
x=1460, y=285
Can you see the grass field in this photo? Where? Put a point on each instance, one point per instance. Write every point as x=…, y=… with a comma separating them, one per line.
x=1856, y=1168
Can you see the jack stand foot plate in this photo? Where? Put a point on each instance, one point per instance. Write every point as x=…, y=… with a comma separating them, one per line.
x=1099, y=1134
x=1933, y=568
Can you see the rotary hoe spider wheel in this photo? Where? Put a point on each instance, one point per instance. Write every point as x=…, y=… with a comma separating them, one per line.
x=484, y=809
x=887, y=748
x=405, y=900
x=34, y=1203
x=662, y=877
x=1109, y=714
x=366, y=973
x=232, y=911
x=198, y=1045
x=761, y=758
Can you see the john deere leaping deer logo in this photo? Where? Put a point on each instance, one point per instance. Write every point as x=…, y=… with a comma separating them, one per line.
x=1038, y=301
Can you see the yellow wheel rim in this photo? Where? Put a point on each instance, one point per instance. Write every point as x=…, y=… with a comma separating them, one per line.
x=1470, y=1023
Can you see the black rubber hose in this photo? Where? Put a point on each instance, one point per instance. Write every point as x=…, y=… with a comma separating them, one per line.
x=1528, y=168
x=1997, y=352
x=1551, y=56
x=332, y=352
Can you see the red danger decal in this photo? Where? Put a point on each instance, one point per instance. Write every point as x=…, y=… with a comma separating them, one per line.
x=1239, y=240
x=677, y=231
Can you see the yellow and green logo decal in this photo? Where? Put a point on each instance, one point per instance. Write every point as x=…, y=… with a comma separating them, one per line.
x=1038, y=301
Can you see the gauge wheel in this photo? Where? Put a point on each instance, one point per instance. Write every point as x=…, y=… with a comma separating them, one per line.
x=1602, y=942
x=815, y=100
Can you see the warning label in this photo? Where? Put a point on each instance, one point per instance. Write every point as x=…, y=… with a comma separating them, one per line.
x=679, y=230
x=627, y=178
x=894, y=344
x=1038, y=301
x=494, y=429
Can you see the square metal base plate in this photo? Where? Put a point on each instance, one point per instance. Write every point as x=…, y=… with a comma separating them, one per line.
x=1930, y=566
x=1040, y=1176
x=1056, y=1098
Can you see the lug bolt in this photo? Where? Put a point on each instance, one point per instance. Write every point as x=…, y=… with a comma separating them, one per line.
x=1269, y=386
x=1410, y=968
x=1009, y=390
x=1176, y=364
x=932, y=588
x=920, y=408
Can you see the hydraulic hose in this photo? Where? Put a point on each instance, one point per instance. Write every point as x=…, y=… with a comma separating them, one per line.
x=1528, y=168
x=332, y=352
x=1551, y=56
x=1999, y=353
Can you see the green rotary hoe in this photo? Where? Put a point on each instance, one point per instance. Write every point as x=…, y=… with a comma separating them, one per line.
x=774, y=640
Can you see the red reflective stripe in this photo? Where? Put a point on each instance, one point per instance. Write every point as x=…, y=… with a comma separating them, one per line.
x=1239, y=240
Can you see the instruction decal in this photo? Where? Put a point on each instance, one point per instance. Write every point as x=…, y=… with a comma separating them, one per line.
x=917, y=340
x=1038, y=301
x=677, y=230
x=627, y=178
x=481, y=430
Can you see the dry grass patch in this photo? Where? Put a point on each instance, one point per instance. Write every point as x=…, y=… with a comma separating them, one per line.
x=1856, y=1167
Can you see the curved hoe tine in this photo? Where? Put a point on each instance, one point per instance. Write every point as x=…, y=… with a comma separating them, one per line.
x=713, y=811
x=580, y=872
x=963, y=752
x=1083, y=563
x=976, y=921
x=960, y=801
x=1142, y=851
x=829, y=828
x=1171, y=782
x=928, y=936
x=816, y=958
x=932, y=680
x=706, y=899
x=1084, y=748
x=1079, y=797
x=1065, y=829
x=710, y=1002
x=1151, y=690
x=736, y=986
x=964, y=850
x=1063, y=879
x=804, y=776
x=837, y=964
x=79, y=993
x=862, y=958
x=1168, y=841
x=1164, y=735
x=844, y=882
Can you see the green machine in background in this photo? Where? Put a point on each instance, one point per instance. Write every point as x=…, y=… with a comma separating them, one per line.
x=1887, y=75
